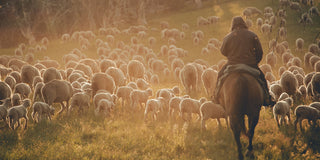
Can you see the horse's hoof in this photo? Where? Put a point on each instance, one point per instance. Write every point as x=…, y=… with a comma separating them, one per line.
x=249, y=154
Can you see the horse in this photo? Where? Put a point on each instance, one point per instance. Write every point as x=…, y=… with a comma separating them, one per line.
x=241, y=94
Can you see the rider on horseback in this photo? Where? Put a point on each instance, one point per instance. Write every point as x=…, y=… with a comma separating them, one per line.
x=242, y=46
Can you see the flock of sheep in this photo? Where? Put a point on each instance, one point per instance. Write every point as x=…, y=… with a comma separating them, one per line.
x=126, y=72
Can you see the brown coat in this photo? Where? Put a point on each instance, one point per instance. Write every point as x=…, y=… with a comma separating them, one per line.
x=242, y=46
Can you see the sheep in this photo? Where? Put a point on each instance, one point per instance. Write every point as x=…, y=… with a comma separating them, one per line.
x=154, y=106
x=271, y=59
x=4, y=71
x=283, y=96
x=306, y=112
x=133, y=85
x=174, y=105
x=16, y=99
x=135, y=69
x=282, y=108
x=5, y=91
x=276, y=89
x=189, y=105
x=23, y=89
x=266, y=29
x=103, y=95
x=139, y=97
x=299, y=44
x=28, y=72
x=282, y=33
x=16, y=75
x=57, y=91
x=209, y=80
x=17, y=112
x=123, y=92
x=104, y=108
x=142, y=84
x=212, y=110
x=4, y=109
x=289, y=83
x=36, y=80
x=270, y=77
x=51, y=74
x=154, y=80
x=314, y=48
x=43, y=110
x=50, y=63
x=314, y=11
x=16, y=62
x=102, y=81
x=265, y=68
x=295, y=6
x=117, y=75
x=189, y=77
x=37, y=91
x=313, y=60
x=106, y=63
x=10, y=81
x=315, y=105
x=81, y=99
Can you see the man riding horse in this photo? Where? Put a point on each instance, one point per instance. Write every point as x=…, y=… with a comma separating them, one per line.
x=242, y=46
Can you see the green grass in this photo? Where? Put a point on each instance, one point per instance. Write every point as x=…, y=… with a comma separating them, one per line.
x=125, y=135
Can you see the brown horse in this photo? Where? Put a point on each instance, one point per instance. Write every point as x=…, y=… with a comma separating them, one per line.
x=241, y=95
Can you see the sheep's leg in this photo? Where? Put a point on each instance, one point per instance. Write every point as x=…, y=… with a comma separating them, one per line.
x=18, y=123
x=26, y=125
x=277, y=119
x=289, y=118
x=226, y=118
x=218, y=119
x=300, y=122
x=62, y=108
x=203, y=123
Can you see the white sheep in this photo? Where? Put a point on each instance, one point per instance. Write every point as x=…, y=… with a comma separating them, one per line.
x=266, y=29
x=212, y=110
x=106, y=63
x=189, y=106
x=142, y=84
x=299, y=44
x=154, y=106
x=23, y=89
x=282, y=108
x=81, y=99
x=289, y=83
x=102, y=81
x=28, y=72
x=117, y=75
x=17, y=112
x=57, y=91
x=174, y=105
x=138, y=97
x=209, y=80
x=43, y=110
x=104, y=95
x=123, y=92
x=135, y=69
x=50, y=74
x=306, y=112
x=104, y=108
x=189, y=77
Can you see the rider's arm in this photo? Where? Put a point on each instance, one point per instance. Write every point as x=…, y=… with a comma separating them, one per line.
x=257, y=49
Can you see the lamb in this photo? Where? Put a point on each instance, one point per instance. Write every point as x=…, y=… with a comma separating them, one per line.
x=102, y=81
x=28, y=72
x=51, y=74
x=154, y=106
x=4, y=109
x=189, y=77
x=104, y=108
x=282, y=108
x=306, y=112
x=212, y=110
x=123, y=92
x=209, y=80
x=139, y=97
x=189, y=105
x=174, y=105
x=135, y=69
x=142, y=84
x=10, y=81
x=276, y=89
x=23, y=89
x=289, y=83
x=167, y=94
x=57, y=91
x=81, y=99
x=103, y=95
x=17, y=112
x=43, y=110
x=16, y=99
x=117, y=75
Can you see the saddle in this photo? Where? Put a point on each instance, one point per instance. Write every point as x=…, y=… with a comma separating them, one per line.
x=238, y=68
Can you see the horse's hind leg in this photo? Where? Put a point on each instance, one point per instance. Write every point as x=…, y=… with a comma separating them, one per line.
x=253, y=121
x=236, y=128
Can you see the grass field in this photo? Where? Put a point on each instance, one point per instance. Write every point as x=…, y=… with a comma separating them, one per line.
x=125, y=135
